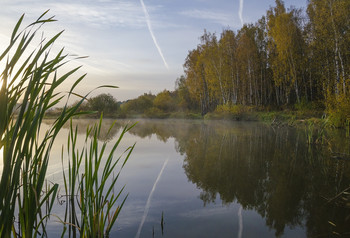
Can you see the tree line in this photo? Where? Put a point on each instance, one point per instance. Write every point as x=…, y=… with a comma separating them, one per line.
x=288, y=56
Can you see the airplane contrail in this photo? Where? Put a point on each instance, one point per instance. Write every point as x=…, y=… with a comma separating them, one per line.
x=148, y=20
x=240, y=12
x=148, y=203
x=240, y=222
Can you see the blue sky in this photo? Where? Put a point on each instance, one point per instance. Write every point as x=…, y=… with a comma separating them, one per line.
x=138, y=45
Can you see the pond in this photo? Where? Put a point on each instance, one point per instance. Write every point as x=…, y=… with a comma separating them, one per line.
x=224, y=179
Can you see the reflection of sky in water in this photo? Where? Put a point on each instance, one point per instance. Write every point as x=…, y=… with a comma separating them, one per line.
x=174, y=194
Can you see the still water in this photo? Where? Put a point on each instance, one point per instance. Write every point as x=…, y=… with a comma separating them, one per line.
x=224, y=179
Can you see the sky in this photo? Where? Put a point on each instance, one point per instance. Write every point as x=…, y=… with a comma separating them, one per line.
x=138, y=45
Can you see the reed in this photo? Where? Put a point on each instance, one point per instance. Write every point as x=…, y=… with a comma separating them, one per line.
x=91, y=208
x=29, y=88
x=316, y=133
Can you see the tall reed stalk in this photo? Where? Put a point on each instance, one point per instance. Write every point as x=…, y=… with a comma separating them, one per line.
x=91, y=208
x=28, y=90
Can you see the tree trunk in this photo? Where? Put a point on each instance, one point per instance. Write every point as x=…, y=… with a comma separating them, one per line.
x=337, y=55
x=310, y=79
x=206, y=95
x=277, y=98
x=250, y=84
x=237, y=83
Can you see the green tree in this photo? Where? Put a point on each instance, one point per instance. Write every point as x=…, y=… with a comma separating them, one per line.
x=247, y=56
x=213, y=60
x=184, y=100
x=138, y=105
x=227, y=48
x=165, y=101
x=329, y=34
x=103, y=103
x=196, y=80
x=280, y=60
x=286, y=42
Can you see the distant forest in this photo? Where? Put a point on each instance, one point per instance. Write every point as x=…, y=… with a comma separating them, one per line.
x=289, y=58
x=286, y=57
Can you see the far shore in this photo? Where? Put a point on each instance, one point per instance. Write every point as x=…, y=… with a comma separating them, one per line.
x=275, y=118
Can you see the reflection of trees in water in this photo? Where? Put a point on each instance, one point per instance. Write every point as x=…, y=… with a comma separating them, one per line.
x=272, y=172
x=106, y=134
x=163, y=129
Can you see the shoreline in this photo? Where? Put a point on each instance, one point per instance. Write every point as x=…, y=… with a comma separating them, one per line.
x=277, y=118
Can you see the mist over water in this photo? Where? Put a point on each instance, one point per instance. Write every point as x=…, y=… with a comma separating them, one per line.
x=231, y=179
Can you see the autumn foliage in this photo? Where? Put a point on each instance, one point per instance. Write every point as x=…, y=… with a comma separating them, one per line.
x=286, y=58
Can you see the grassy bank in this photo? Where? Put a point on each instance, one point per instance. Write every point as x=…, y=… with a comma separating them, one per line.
x=286, y=117
x=275, y=117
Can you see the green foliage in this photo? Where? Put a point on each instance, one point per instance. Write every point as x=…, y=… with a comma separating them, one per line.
x=103, y=103
x=95, y=186
x=315, y=133
x=138, y=105
x=165, y=101
x=330, y=37
x=305, y=105
x=232, y=112
x=234, y=109
x=338, y=110
x=29, y=88
x=287, y=43
x=155, y=112
x=308, y=109
x=280, y=61
x=185, y=115
x=184, y=100
x=164, y=105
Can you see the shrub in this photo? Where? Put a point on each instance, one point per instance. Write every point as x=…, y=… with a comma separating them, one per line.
x=165, y=102
x=138, y=105
x=233, y=109
x=103, y=103
x=338, y=110
x=156, y=113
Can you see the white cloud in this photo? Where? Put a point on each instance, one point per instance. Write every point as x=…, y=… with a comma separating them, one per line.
x=121, y=14
x=99, y=14
x=217, y=17
x=83, y=21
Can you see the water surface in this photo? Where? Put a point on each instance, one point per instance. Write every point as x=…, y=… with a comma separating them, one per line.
x=224, y=179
